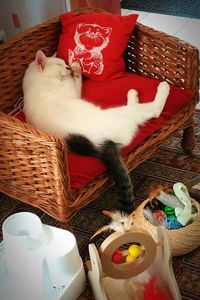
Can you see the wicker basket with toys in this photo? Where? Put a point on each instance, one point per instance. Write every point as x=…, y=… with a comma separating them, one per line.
x=131, y=265
x=177, y=211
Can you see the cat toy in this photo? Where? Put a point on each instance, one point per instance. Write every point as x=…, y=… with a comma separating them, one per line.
x=148, y=276
x=184, y=215
x=178, y=206
x=184, y=239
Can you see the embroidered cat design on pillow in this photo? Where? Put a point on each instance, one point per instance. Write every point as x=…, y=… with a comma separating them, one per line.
x=90, y=40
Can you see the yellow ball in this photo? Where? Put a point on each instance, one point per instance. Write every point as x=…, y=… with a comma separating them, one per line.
x=130, y=258
x=134, y=250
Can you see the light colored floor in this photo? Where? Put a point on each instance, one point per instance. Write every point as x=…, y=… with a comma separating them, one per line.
x=184, y=28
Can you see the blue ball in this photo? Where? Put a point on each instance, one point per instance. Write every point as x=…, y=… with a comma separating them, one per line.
x=172, y=223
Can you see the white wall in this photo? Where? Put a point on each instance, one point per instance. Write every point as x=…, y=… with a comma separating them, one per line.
x=29, y=12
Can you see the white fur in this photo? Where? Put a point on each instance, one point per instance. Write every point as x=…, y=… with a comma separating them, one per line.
x=52, y=102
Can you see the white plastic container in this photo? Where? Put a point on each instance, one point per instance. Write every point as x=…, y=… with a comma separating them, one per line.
x=38, y=261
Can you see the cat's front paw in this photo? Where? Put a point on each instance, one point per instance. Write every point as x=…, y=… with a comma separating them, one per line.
x=76, y=69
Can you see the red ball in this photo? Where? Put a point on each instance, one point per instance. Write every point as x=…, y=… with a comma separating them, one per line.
x=117, y=257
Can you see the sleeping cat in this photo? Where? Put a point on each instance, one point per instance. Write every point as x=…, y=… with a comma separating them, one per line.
x=52, y=102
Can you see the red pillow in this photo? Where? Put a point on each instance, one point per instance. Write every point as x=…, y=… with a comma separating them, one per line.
x=97, y=41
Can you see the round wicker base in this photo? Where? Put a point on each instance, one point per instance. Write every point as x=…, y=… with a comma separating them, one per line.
x=183, y=240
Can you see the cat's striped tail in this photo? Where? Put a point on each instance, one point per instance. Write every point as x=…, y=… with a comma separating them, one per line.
x=109, y=153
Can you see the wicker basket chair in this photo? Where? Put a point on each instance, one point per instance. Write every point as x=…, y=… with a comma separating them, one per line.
x=33, y=166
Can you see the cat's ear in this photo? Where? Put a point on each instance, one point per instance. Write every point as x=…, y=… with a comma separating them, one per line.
x=55, y=54
x=40, y=60
x=108, y=213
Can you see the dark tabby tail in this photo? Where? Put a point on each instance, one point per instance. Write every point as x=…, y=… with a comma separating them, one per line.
x=109, y=153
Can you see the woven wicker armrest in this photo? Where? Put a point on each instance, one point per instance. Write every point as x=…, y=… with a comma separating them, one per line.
x=34, y=162
x=158, y=55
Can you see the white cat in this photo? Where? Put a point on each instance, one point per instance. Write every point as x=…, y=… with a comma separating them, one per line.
x=52, y=102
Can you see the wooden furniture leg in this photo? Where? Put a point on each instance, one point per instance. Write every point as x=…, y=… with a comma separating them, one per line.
x=188, y=139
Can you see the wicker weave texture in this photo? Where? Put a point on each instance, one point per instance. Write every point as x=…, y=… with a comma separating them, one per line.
x=33, y=166
x=163, y=57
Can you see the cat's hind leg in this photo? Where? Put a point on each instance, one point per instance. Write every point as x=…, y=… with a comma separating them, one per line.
x=77, y=76
x=153, y=109
x=161, y=97
x=132, y=97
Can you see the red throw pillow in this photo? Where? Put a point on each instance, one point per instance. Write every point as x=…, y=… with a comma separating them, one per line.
x=97, y=41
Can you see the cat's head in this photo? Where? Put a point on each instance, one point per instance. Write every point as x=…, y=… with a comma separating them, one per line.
x=92, y=36
x=50, y=66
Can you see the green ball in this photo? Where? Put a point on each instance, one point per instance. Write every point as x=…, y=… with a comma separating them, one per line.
x=169, y=210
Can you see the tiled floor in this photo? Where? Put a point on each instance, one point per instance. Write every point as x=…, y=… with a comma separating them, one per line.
x=184, y=28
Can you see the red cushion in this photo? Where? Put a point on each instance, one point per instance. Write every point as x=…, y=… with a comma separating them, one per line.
x=113, y=93
x=84, y=169
x=97, y=41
